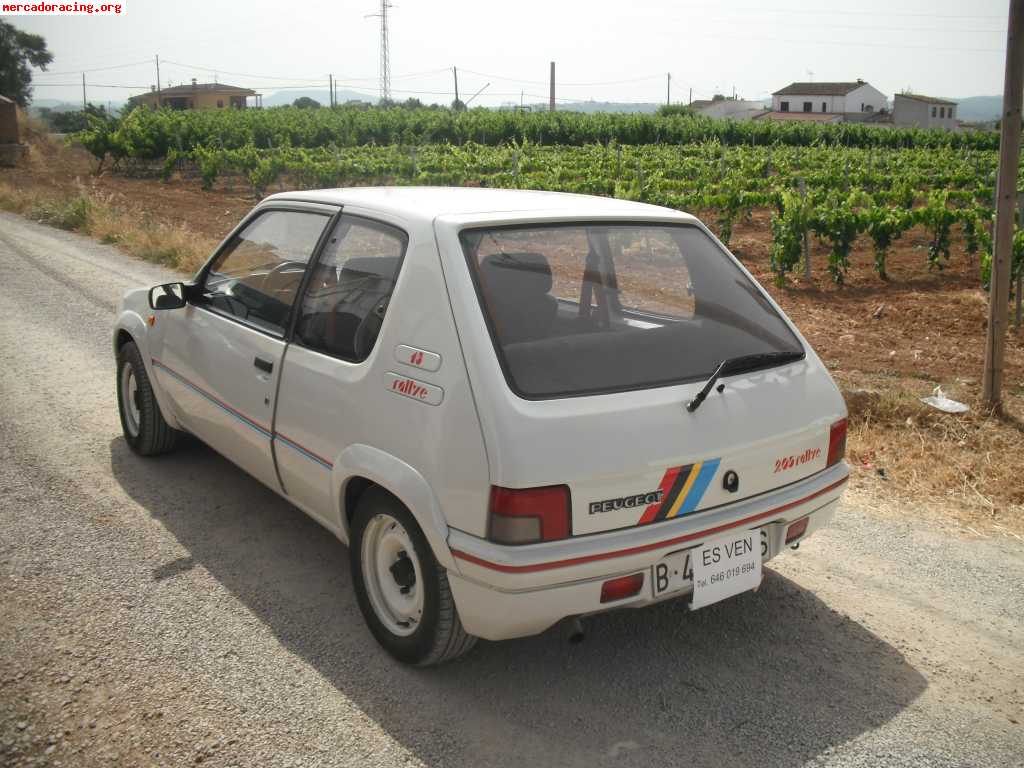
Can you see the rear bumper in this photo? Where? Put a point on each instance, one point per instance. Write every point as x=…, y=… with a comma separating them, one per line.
x=503, y=592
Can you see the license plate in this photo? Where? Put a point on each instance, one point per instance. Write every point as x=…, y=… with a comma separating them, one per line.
x=675, y=571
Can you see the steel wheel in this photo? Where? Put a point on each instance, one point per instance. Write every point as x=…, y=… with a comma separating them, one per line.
x=392, y=575
x=130, y=400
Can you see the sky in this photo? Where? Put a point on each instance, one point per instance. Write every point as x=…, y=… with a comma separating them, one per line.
x=603, y=52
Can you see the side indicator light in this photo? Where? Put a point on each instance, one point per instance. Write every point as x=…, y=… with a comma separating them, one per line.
x=621, y=587
x=796, y=530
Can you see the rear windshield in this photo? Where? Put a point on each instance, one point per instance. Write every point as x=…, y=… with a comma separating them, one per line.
x=589, y=308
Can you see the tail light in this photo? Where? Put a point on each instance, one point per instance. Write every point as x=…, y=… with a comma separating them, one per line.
x=622, y=587
x=837, y=442
x=529, y=515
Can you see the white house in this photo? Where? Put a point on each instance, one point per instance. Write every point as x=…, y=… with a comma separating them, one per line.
x=924, y=111
x=829, y=98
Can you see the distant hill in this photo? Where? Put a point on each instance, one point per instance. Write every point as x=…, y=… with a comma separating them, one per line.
x=284, y=98
x=979, y=108
x=603, y=106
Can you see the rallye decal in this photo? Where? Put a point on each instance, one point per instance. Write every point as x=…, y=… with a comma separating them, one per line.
x=681, y=489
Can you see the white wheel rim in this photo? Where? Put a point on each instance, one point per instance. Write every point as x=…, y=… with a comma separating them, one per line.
x=130, y=400
x=389, y=562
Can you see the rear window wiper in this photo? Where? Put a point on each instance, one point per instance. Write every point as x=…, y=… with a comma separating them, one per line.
x=740, y=364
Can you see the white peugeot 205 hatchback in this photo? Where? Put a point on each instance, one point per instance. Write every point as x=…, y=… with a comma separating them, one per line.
x=515, y=407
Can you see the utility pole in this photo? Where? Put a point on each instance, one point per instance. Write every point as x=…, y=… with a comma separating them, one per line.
x=691, y=96
x=455, y=74
x=1006, y=189
x=158, y=98
x=330, y=90
x=551, y=104
x=84, y=102
x=668, y=89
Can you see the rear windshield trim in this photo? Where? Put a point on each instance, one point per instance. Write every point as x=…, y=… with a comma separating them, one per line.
x=500, y=351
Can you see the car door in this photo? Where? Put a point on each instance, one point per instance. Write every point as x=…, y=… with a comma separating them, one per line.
x=221, y=355
x=325, y=376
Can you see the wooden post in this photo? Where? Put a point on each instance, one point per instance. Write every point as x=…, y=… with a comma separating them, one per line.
x=807, y=239
x=1009, y=158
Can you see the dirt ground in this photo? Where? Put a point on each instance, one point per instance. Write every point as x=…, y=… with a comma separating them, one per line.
x=887, y=343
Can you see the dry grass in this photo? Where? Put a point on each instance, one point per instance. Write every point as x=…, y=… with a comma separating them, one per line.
x=962, y=468
x=80, y=209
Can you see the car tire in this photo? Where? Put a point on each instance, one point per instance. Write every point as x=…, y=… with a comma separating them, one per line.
x=145, y=430
x=401, y=589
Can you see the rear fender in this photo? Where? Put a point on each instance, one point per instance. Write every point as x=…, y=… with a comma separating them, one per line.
x=399, y=479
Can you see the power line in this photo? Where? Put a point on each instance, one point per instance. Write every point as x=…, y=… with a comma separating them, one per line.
x=826, y=12
x=94, y=69
x=860, y=43
x=571, y=85
x=863, y=27
x=244, y=74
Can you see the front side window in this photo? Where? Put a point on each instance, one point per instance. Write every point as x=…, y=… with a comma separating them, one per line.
x=590, y=308
x=256, y=277
x=350, y=287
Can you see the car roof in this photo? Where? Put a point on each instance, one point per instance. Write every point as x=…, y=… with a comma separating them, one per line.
x=427, y=203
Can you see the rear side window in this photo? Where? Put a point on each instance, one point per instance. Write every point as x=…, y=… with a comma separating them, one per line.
x=589, y=308
x=256, y=277
x=350, y=287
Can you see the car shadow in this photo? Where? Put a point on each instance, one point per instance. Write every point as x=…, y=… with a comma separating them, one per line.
x=773, y=678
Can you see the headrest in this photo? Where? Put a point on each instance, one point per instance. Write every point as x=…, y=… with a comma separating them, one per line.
x=377, y=266
x=516, y=273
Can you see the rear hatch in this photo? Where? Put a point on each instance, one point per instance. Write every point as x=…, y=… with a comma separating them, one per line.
x=654, y=460
x=604, y=332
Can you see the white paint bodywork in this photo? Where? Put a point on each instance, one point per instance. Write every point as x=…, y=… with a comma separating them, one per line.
x=441, y=442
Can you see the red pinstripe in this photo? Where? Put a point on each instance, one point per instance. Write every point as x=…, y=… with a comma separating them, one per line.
x=641, y=548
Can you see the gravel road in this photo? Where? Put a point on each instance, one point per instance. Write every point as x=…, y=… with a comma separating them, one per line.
x=173, y=612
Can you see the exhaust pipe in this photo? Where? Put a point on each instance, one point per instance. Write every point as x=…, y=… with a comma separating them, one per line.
x=576, y=631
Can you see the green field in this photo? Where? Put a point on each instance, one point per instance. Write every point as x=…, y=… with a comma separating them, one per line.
x=839, y=182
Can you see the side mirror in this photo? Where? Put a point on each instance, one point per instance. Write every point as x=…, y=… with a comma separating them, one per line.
x=168, y=296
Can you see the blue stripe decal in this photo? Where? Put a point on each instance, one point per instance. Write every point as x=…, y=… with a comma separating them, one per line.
x=699, y=486
x=299, y=449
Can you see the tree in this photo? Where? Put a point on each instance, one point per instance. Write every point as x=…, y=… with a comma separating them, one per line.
x=458, y=105
x=19, y=51
x=304, y=102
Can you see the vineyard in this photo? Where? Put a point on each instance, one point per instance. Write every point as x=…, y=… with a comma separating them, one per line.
x=836, y=182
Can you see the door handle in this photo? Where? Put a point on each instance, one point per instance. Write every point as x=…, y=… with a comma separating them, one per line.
x=264, y=365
